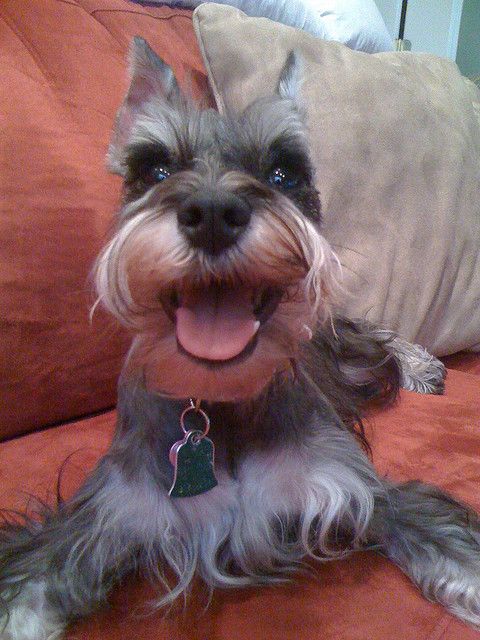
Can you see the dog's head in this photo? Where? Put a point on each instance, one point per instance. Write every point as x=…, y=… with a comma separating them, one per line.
x=217, y=263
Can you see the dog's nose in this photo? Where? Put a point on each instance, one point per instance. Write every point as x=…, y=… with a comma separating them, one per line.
x=213, y=222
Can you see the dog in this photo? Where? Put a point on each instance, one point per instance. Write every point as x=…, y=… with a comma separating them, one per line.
x=239, y=450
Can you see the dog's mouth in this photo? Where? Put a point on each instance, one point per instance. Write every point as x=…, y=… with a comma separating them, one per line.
x=220, y=323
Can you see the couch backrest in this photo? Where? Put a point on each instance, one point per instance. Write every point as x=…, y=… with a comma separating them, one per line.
x=63, y=77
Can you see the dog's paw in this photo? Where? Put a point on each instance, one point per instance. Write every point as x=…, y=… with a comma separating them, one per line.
x=425, y=375
x=30, y=618
x=420, y=371
x=460, y=594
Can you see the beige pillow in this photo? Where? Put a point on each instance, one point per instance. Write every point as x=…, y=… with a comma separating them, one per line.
x=396, y=143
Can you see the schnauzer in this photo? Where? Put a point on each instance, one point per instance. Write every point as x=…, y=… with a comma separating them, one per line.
x=218, y=267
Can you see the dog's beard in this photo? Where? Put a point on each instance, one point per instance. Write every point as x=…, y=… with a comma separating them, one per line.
x=216, y=327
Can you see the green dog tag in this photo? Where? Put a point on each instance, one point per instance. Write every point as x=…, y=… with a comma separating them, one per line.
x=193, y=460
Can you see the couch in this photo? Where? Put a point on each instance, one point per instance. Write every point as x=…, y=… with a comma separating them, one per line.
x=63, y=70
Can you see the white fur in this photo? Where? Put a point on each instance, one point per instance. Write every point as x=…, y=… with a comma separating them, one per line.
x=249, y=514
x=31, y=618
x=459, y=592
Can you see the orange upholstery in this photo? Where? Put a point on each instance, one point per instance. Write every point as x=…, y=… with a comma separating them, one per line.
x=364, y=597
x=63, y=75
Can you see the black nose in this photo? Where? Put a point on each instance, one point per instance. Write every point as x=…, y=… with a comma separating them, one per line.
x=212, y=221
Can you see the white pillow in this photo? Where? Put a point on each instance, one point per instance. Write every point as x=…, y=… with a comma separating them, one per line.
x=356, y=23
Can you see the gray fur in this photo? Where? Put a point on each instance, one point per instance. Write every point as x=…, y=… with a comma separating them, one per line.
x=291, y=77
x=150, y=80
x=435, y=540
x=293, y=480
x=421, y=372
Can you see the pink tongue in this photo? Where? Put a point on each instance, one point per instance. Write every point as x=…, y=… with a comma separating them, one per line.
x=216, y=324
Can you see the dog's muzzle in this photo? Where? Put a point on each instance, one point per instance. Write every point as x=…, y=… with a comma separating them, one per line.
x=214, y=221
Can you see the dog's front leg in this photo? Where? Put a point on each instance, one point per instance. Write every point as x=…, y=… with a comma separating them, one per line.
x=63, y=566
x=420, y=371
x=55, y=570
x=363, y=347
x=435, y=540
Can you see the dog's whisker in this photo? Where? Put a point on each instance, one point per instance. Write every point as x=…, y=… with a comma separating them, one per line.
x=351, y=249
x=349, y=268
x=93, y=308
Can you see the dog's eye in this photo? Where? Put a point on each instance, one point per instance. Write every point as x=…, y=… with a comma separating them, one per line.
x=282, y=178
x=159, y=173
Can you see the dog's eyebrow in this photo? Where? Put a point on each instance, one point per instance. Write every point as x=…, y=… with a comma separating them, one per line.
x=142, y=154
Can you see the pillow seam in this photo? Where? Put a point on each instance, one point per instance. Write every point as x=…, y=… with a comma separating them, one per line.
x=220, y=104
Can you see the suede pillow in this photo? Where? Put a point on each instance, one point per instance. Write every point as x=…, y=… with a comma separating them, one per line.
x=396, y=143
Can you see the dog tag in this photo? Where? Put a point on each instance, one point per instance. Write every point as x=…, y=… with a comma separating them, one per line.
x=193, y=460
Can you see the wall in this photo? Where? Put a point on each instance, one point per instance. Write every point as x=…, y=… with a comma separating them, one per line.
x=433, y=25
x=428, y=25
x=390, y=10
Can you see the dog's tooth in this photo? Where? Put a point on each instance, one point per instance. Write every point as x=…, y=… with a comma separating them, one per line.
x=256, y=326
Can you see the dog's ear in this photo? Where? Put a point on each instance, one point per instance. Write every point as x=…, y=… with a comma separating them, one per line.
x=150, y=77
x=290, y=79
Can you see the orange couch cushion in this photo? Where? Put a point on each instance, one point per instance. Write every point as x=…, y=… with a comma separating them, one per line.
x=432, y=438
x=63, y=77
